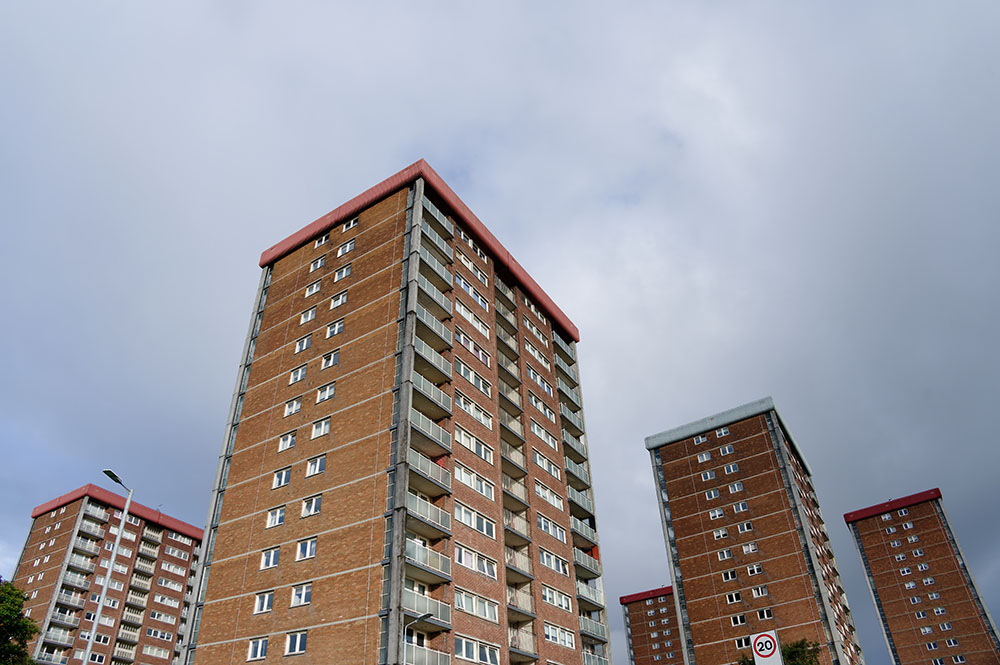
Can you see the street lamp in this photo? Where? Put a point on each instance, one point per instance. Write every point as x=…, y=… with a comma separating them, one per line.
x=111, y=565
x=406, y=645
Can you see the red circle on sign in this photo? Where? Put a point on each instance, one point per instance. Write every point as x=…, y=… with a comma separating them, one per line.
x=765, y=646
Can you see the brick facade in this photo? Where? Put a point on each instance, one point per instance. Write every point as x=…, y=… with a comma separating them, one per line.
x=651, y=627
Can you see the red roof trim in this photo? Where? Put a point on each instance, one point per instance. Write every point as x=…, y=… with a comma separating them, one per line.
x=422, y=169
x=646, y=595
x=895, y=504
x=112, y=499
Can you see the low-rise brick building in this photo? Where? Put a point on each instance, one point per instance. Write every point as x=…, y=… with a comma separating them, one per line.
x=651, y=627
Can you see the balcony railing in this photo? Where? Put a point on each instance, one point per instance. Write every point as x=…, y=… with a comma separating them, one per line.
x=581, y=499
x=507, y=292
x=516, y=488
x=92, y=529
x=516, y=522
x=82, y=562
x=429, y=512
x=578, y=470
x=569, y=418
x=575, y=445
x=428, y=468
x=439, y=217
x=152, y=551
x=124, y=653
x=570, y=393
x=136, y=599
x=506, y=314
x=63, y=638
x=515, y=455
x=64, y=619
x=570, y=372
x=438, y=241
x=437, y=268
x=594, y=659
x=522, y=640
x=435, y=294
x=420, y=604
x=508, y=339
x=583, y=529
x=512, y=423
x=583, y=559
x=432, y=392
x=436, y=360
x=70, y=599
x=418, y=655
x=510, y=394
x=128, y=634
x=595, y=628
x=520, y=599
x=593, y=594
x=425, y=556
x=508, y=366
x=49, y=658
x=140, y=583
x=132, y=616
x=439, y=329
x=430, y=429
x=97, y=513
x=563, y=345
x=76, y=580
x=145, y=566
x=152, y=535
x=87, y=546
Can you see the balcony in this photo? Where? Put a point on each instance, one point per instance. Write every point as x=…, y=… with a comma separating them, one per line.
x=147, y=550
x=417, y=604
x=587, y=567
x=431, y=439
x=81, y=563
x=145, y=566
x=522, y=644
x=70, y=599
x=571, y=421
x=506, y=316
x=76, y=580
x=570, y=373
x=572, y=396
x=438, y=219
x=518, y=528
x=563, y=347
x=433, y=298
x=138, y=582
x=132, y=616
x=590, y=596
x=512, y=397
x=437, y=241
x=152, y=535
x=52, y=658
x=519, y=602
x=584, y=535
x=97, y=513
x=88, y=546
x=426, y=518
x=518, y=565
x=594, y=659
x=574, y=447
x=427, y=565
x=509, y=340
x=515, y=493
x=435, y=271
x=593, y=629
x=64, y=619
x=578, y=475
x=440, y=339
x=429, y=398
x=92, y=529
x=580, y=503
x=512, y=430
x=417, y=655
x=136, y=599
x=62, y=638
x=509, y=366
x=127, y=634
x=513, y=460
x=123, y=653
x=430, y=363
x=430, y=478
x=505, y=291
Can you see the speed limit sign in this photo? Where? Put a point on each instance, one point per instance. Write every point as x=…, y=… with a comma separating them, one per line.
x=765, y=648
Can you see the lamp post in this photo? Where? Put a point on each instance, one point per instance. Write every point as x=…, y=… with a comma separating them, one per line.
x=111, y=565
x=406, y=645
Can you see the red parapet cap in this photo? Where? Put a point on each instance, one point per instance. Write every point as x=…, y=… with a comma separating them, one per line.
x=895, y=504
x=646, y=595
x=112, y=499
x=476, y=228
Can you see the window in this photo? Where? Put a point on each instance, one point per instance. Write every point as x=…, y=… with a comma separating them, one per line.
x=466, y=286
x=715, y=513
x=886, y=517
x=958, y=659
x=729, y=576
x=734, y=597
x=537, y=332
x=932, y=646
x=551, y=467
x=472, y=377
x=725, y=554
x=322, y=240
x=923, y=566
x=736, y=487
x=312, y=506
x=557, y=598
x=900, y=557
x=890, y=529
x=303, y=344
x=537, y=355
x=916, y=600
x=473, y=560
x=912, y=539
x=749, y=548
x=263, y=602
x=905, y=571
x=910, y=585
x=475, y=481
x=471, y=518
x=297, y=374
x=331, y=359
x=920, y=614
x=302, y=594
x=551, y=528
x=726, y=450
x=739, y=619
x=707, y=475
x=928, y=581
x=746, y=527
x=701, y=438
x=345, y=248
x=335, y=328
x=475, y=445
x=269, y=558
x=473, y=348
x=894, y=543
x=712, y=494
x=306, y=549
x=473, y=268
x=324, y=393
x=307, y=315
x=755, y=569
x=705, y=456
x=542, y=383
x=742, y=642
x=560, y=635
x=471, y=317
x=481, y=415
x=926, y=630
x=903, y=512
x=281, y=477
x=316, y=465
x=732, y=468
x=544, y=435
x=760, y=591
x=740, y=507
x=918, y=553
x=295, y=643
x=321, y=427
x=549, y=495
x=938, y=611
x=554, y=562
x=342, y=273
x=473, y=604
x=293, y=406
x=350, y=224
x=537, y=402
x=275, y=517
x=313, y=288
x=721, y=432
x=720, y=533
x=478, y=652
x=907, y=525
x=317, y=264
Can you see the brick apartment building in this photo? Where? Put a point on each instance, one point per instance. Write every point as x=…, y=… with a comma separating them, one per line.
x=651, y=627
x=931, y=611
x=747, y=546
x=404, y=477
x=62, y=569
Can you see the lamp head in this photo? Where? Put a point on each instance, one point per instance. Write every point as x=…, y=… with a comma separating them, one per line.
x=114, y=476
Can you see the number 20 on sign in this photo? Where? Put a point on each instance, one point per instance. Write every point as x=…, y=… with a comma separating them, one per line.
x=765, y=648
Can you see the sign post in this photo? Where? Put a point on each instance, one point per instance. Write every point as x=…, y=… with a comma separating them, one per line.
x=766, y=650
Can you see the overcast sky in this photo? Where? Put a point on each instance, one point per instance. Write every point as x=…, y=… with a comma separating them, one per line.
x=731, y=200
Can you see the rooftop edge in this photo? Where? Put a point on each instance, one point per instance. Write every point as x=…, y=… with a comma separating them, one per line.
x=711, y=422
x=892, y=504
x=644, y=595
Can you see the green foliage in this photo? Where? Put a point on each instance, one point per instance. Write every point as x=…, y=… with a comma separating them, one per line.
x=744, y=660
x=16, y=630
x=801, y=652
